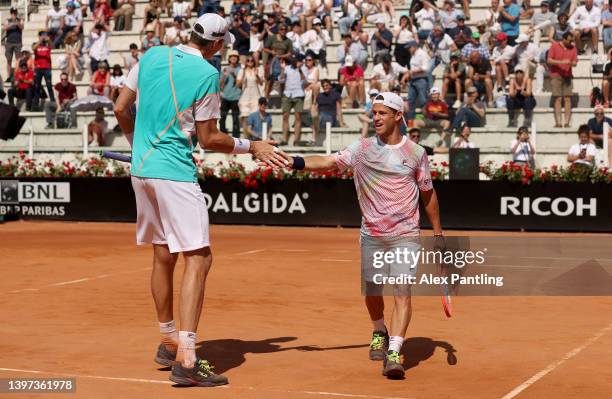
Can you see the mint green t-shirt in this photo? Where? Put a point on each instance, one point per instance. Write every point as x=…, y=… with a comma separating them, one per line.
x=175, y=88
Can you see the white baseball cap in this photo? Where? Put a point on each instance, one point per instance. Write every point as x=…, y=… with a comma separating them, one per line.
x=522, y=38
x=316, y=21
x=380, y=20
x=434, y=90
x=373, y=92
x=349, y=61
x=391, y=100
x=213, y=27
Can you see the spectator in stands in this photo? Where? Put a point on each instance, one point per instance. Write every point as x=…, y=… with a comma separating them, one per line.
x=526, y=55
x=255, y=41
x=315, y=42
x=124, y=13
x=132, y=58
x=366, y=117
x=583, y=153
x=26, y=56
x=596, y=126
x=23, y=85
x=344, y=48
x=436, y=114
x=463, y=141
x=152, y=15
x=441, y=45
x=311, y=85
x=13, y=28
x=501, y=57
x=297, y=11
x=486, y=37
x=403, y=33
x=475, y=45
x=448, y=16
x=561, y=59
x=561, y=27
x=564, y=7
x=296, y=38
x=372, y=11
x=73, y=20
x=414, y=134
x=526, y=10
x=241, y=31
x=542, y=23
x=606, y=22
x=322, y=10
x=605, y=82
x=359, y=50
x=461, y=34
x=117, y=81
x=255, y=121
x=97, y=46
x=177, y=34
x=420, y=64
x=509, y=16
x=248, y=80
x=382, y=39
x=329, y=106
x=350, y=14
x=492, y=17
x=585, y=21
x=521, y=148
x=479, y=76
x=277, y=48
x=293, y=96
x=386, y=74
x=471, y=112
x=181, y=8
x=520, y=96
x=66, y=95
x=72, y=61
x=230, y=94
x=54, y=23
x=42, y=65
x=150, y=40
x=97, y=128
x=454, y=77
x=352, y=77
x=100, y=81
x=426, y=17
x=102, y=12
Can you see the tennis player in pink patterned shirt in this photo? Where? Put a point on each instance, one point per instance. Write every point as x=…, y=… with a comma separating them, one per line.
x=390, y=172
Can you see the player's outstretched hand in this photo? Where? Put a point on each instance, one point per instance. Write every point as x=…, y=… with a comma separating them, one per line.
x=267, y=153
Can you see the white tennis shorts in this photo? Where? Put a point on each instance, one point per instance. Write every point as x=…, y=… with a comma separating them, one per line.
x=172, y=213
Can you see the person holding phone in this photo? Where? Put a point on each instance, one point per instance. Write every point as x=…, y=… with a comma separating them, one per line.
x=582, y=153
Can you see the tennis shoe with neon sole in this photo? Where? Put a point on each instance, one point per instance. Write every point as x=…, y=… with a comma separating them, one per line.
x=379, y=345
x=200, y=375
x=392, y=365
x=165, y=357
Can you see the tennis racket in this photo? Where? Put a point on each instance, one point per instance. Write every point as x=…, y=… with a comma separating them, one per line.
x=116, y=156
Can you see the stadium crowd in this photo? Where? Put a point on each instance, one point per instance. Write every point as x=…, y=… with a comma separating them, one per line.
x=452, y=73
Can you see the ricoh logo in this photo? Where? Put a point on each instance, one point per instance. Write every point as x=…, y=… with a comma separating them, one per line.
x=546, y=206
x=255, y=203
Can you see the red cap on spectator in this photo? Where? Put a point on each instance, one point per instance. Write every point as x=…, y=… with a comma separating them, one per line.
x=502, y=36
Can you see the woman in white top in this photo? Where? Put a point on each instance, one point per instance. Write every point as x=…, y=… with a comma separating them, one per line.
x=296, y=37
x=492, y=17
x=255, y=43
x=402, y=34
x=312, y=85
x=463, y=141
x=249, y=81
x=521, y=148
x=117, y=81
x=426, y=17
x=72, y=61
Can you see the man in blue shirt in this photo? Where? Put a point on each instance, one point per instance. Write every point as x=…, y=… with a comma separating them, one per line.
x=176, y=91
x=509, y=14
x=255, y=121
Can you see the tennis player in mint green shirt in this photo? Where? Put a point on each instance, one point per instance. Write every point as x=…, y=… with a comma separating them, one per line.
x=176, y=92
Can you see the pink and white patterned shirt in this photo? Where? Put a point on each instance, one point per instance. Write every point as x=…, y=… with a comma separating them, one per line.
x=388, y=179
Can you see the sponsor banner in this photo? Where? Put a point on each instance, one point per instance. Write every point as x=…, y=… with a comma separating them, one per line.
x=331, y=202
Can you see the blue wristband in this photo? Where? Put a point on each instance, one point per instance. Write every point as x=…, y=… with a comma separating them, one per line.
x=298, y=163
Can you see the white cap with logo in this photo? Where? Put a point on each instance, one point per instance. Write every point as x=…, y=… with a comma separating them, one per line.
x=348, y=61
x=213, y=27
x=391, y=100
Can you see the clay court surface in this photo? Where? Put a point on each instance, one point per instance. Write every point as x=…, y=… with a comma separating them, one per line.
x=283, y=318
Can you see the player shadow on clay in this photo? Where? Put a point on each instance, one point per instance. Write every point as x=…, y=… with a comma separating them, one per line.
x=226, y=354
x=418, y=349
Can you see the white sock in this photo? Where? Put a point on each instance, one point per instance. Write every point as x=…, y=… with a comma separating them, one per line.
x=186, y=348
x=379, y=325
x=395, y=343
x=168, y=333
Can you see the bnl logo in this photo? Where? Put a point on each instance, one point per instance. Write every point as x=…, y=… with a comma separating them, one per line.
x=14, y=192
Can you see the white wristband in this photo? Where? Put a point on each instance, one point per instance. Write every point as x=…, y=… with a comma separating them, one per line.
x=241, y=146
